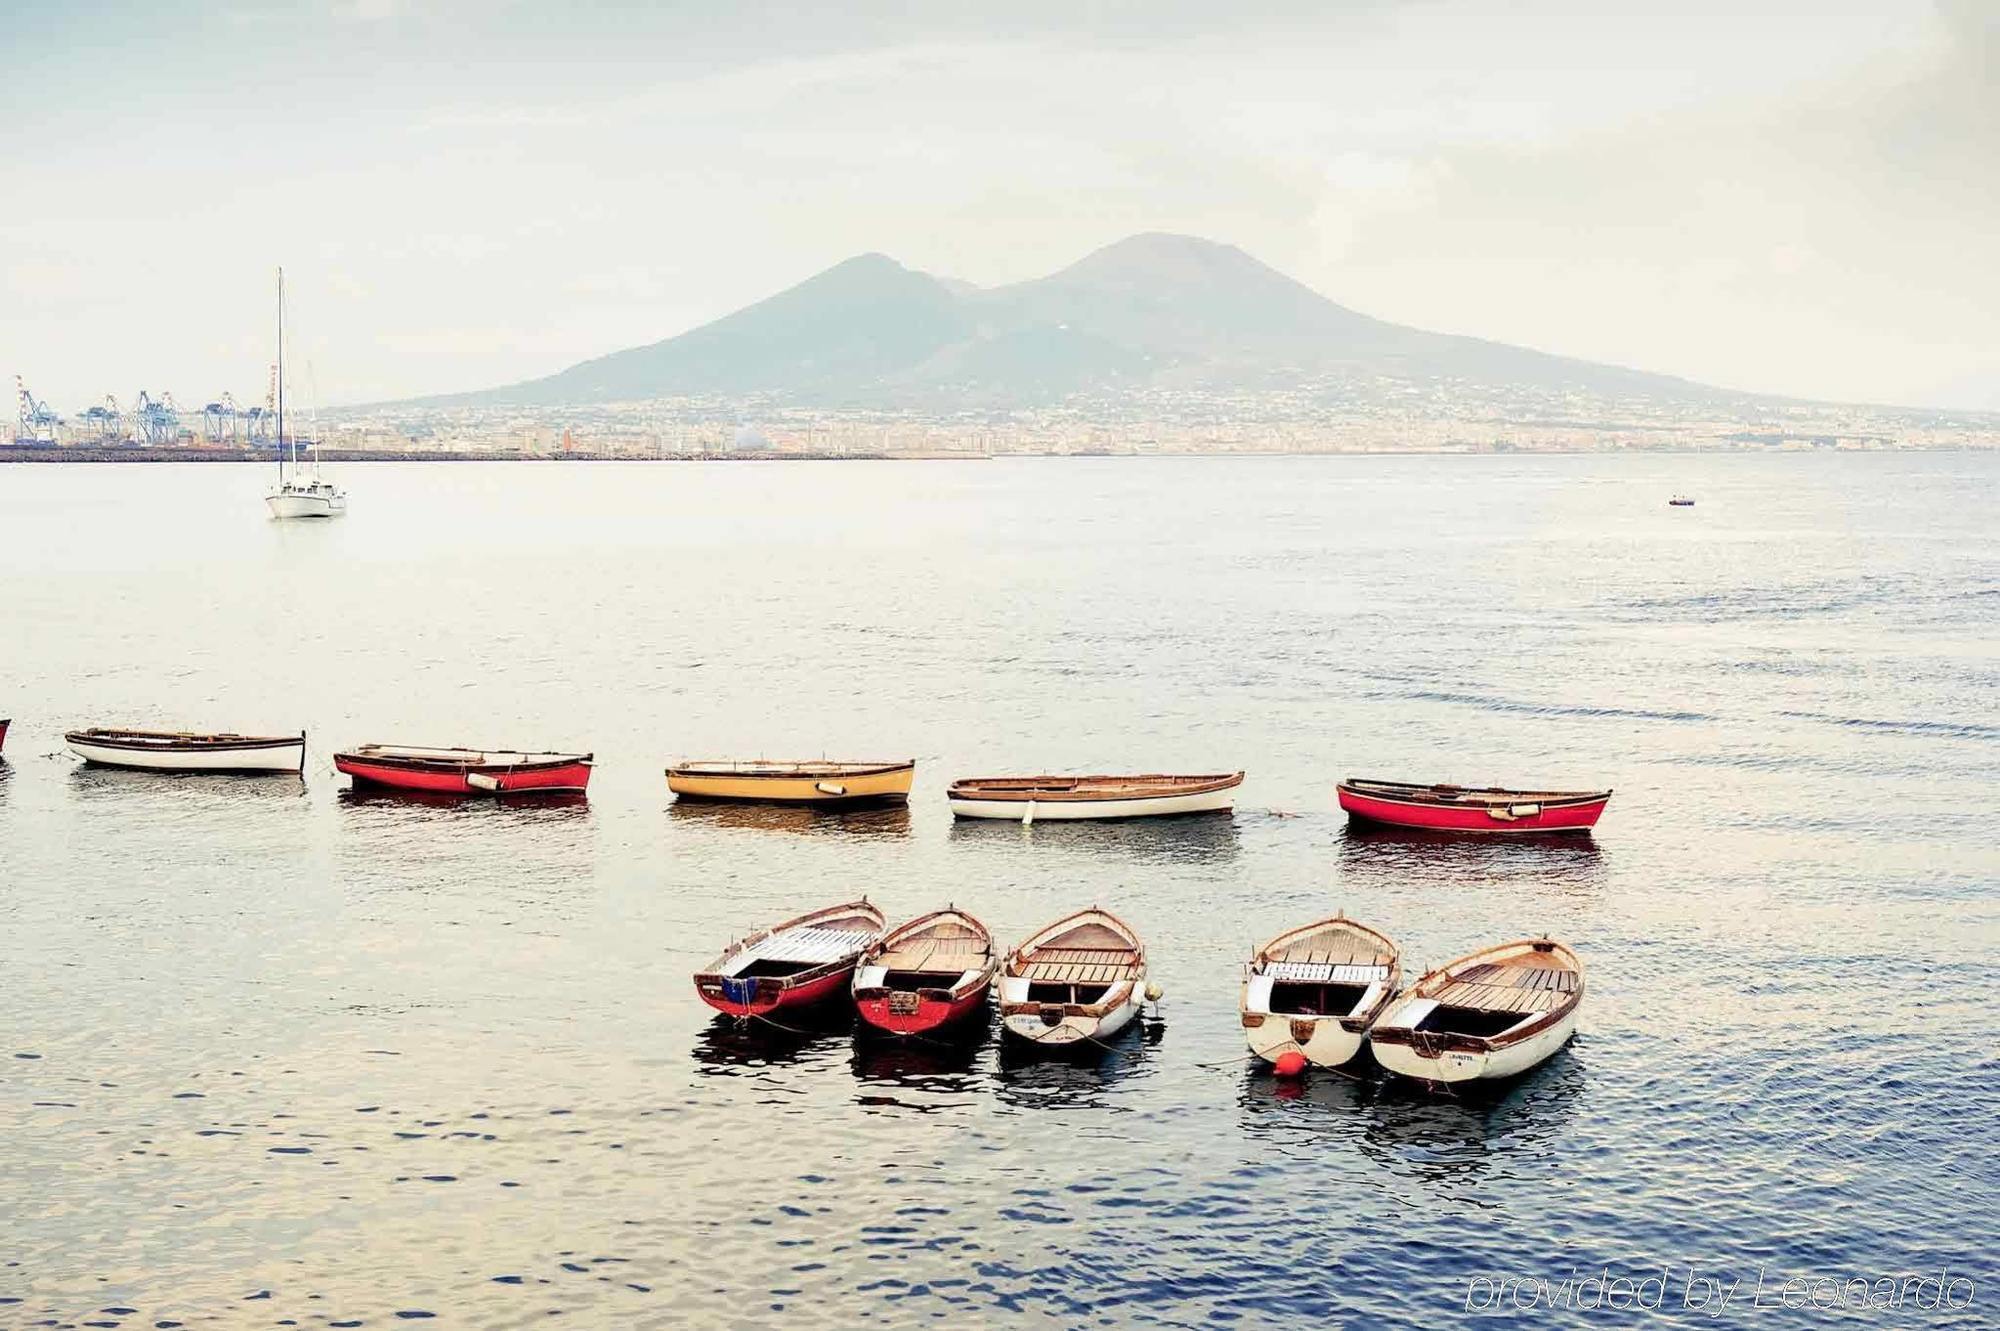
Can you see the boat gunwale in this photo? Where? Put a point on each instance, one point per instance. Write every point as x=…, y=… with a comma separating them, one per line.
x=1353, y=1021
x=757, y=769
x=177, y=741
x=1116, y=994
x=1505, y=1039
x=714, y=970
x=1443, y=796
x=980, y=977
x=1109, y=789
x=372, y=755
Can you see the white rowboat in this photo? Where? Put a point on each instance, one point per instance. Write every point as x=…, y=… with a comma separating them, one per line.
x=1484, y=1017
x=177, y=751
x=1031, y=799
x=1317, y=989
x=1080, y=980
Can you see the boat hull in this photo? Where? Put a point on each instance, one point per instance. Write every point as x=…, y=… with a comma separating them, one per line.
x=889, y=786
x=3, y=733
x=1578, y=816
x=1042, y=811
x=1453, y=1065
x=284, y=505
x=288, y=755
x=572, y=778
x=770, y=998
x=931, y=1014
x=1327, y=1043
x=1075, y=1029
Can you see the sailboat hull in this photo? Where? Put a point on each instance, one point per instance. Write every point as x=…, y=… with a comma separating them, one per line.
x=283, y=505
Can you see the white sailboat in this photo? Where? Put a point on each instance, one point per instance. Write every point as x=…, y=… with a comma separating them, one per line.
x=299, y=494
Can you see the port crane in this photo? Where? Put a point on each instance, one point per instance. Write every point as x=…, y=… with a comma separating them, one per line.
x=104, y=422
x=37, y=424
x=219, y=420
x=158, y=419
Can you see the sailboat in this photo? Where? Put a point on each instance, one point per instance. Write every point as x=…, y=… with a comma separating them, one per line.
x=298, y=495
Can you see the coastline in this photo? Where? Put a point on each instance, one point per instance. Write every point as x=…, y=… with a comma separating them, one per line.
x=20, y=455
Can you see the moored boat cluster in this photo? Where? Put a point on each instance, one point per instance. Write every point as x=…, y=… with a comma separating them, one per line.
x=1316, y=995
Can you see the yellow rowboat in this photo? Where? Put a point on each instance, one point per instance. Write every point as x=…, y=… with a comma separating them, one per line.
x=820, y=782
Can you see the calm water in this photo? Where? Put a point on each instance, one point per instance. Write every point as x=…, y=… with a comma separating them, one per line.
x=273, y=1055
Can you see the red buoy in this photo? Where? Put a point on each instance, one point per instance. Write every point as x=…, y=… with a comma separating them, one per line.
x=1291, y=1063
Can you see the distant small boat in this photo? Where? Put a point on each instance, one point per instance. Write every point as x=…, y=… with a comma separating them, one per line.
x=1443, y=808
x=1026, y=799
x=1082, y=978
x=1680, y=501
x=811, y=782
x=928, y=974
x=1318, y=989
x=796, y=964
x=464, y=771
x=185, y=751
x=1486, y=1016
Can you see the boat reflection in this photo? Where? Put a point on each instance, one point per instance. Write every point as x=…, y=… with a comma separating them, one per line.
x=561, y=806
x=90, y=781
x=728, y=1046
x=1074, y=1077
x=879, y=820
x=1189, y=838
x=1401, y=856
x=1407, y=1128
x=919, y=1070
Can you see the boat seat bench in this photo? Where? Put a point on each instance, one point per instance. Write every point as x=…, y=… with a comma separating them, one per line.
x=1060, y=972
x=810, y=945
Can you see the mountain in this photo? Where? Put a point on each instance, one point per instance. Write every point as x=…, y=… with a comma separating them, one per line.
x=1152, y=312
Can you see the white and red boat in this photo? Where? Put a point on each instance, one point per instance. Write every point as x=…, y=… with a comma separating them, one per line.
x=188, y=751
x=929, y=974
x=1464, y=809
x=797, y=964
x=465, y=771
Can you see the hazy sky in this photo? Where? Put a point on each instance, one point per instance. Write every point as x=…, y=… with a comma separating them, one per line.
x=1793, y=198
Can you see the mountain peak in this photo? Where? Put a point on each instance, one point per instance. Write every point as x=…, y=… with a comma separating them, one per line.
x=1151, y=310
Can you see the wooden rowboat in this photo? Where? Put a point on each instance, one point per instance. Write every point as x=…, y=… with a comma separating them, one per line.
x=796, y=964
x=1461, y=809
x=931, y=973
x=816, y=782
x=1492, y=1014
x=1026, y=799
x=1082, y=978
x=187, y=751
x=465, y=771
x=1317, y=989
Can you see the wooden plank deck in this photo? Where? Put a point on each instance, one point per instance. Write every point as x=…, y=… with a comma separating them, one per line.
x=810, y=945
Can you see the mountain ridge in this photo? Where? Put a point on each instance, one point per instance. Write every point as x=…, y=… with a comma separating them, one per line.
x=1154, y=311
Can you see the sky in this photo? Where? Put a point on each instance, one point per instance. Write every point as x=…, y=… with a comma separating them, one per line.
x=1800, y=199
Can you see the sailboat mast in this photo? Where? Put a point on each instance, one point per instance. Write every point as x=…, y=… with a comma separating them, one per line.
x=281, y=384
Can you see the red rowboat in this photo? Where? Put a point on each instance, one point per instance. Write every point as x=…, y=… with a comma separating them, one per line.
x=464, y=771
x=1459, y=809
x=932, y=972
x=3, y=733
x=791, y=965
